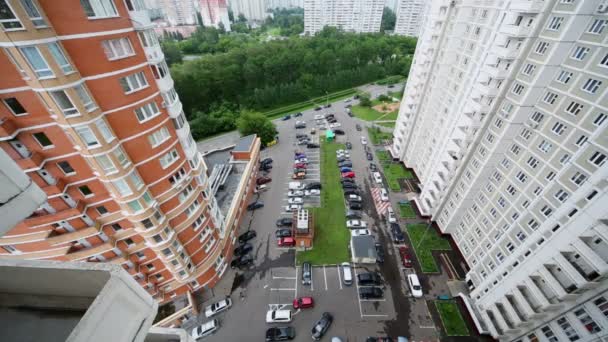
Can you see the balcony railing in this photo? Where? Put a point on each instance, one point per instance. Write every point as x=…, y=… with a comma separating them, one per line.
x=57, y=239
x=527, y=6
x=39, y=220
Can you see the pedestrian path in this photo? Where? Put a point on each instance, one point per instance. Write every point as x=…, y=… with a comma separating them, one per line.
x=381, y=207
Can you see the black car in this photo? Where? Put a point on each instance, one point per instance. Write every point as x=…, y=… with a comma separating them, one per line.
x=312, y=145
x=297, y=114
x=266, y=167
x=349, y=146
x=328, y=105
x=358, y=127
x=369, y=156
x=318, y=109
x=242, y=261
x=280, y=334
x=373, y=167
x=345, y=164
x=306, y=273
x=347, y=180
x=332, y=120
x=243, y=249
x=313, y=186
x=350, y=114
x=353, y=215
x=286, y=117
x=348, y=105
x=391, y=86
x=349, y=186
x=301, y=136
x=351, y=192
x=321, y=326
x=355, y=206
x=370, y=292
x=255, y=205
x=356, y=96
x=266, y=160
x=397, y=234
x=342, y=159
x=248, y=235
x=284, y=222
x=369, y=279
x=283, y=232
x=339, y=132
x=379, y=253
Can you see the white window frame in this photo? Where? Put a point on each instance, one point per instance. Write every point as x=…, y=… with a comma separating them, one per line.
x=121, y=156
x=574, y=108
x=591, y=86
x=600, y=119
x=85, y=133
x=105, y=131
x=159, y=136
x=555, y=23
x=33, y=13
x=85, y=98
x=579, y=53
x=136, y=180
x=597, y=26
x=168, y=159
x=13, y=20
x=564, y=77
x=60, y=58
x=604, y=61
x=68, y=112
x=147, y=112
x=106, y=164
x=135, y=82
x=118, y=48
x=42, y=72
x=101, y=9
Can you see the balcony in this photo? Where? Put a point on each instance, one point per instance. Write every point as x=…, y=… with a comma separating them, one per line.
x=496, y=72
x=140, y=19
x=175, y=108
x=7, y=129
x=40, y=220
x=527, y=6
x=487, y=90
x=515, y=30
x=57, y=239
x=562, y=278
x=165, y=83
x=32, y=162
x=545, y=289
x=584, y=268
x=54, y=189
x=85, y=253
x=154, y=53
x=505, y=52
x=182, y=133
x=529, y=298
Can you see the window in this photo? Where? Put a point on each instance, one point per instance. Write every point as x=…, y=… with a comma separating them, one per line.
x=549, y=334
x=532, y=224
x=43, y=140
x=525, y=133
x=117, y=48
x=209, y=244
x=567, y=329
x=579, y=53
x=602, y=305
x=192, y=208
x=591, y=86
x=14, y=106
x=64, y=103
x=515, y=149
x=537, y=117
x=184, y=194
x=598, y=158
x=561, y=195
x=604, y=61
x=597, y=26
x=32, y=12
x=564, y=77
x=121, y=157
x=574, y=108
x=528, y=69
x=555, y=23
x=533, y=162
x=133, y=82
x=559, y=128
x=148, y=38
x=122, y=187
x=37, y=62
x=168, y=158
x=9, y=21
x=587, y=321
x=106, y=164
x=179, y=121
x=545, y=146
x=60, y=58
x=147, y=111
x=135, y=206
x=147, y=198
x=517, y=89
x=521, y=236
x=136, y=180
x=510, y=247
x=600, y=119
x=521, y=177
x=85, y=191
x=99, y=8
x=541, y=48
x=578, y=178
x=550, y=176
x=116, y=227
x=511, y=190
x=87, y=135
x=159, y=137
x=85, y=98
x=101, y=210
x=550, y=98
x=66, y=168
x=564, y=158
x=546, y=210
x=104, y=130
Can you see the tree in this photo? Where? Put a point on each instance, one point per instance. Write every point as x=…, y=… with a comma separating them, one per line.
x=388, y=20
x=384, y=98
x=257, y=123
x=364, y=100
x=172, y=52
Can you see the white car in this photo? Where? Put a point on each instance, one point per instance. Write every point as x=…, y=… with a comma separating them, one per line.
x=390, y=215
x=218, y=307
x=319, y=117
x=340, y=151
x=205, y=329
x=295, y=200
x=278, y=316
x=384, y=195
x=295, y=193
x=312, y=192
x=363, y=141
x=377, y=177
x=359, y=232
x=296, y=186
x=353, y=198
x=415, y=287
x=356, y=224
x=292, y=207
x=335, y=125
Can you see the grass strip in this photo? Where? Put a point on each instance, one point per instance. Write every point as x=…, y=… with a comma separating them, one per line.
x=453, y=323
x=406, y=210
x=425, y=240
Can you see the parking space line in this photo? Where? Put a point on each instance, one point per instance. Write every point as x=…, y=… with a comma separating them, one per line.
x=339, y=276
x=373, y=300
x=325, y=276
x=312, y=281
x=357, y=284
x=374, y=315
x=282, y=289
x=273, y=277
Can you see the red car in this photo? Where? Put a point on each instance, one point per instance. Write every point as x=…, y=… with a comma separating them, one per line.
x=287, y=242
x=348, y=174
x=406, y=259
x=303, y=303
x=263, y=180
x=299, y=166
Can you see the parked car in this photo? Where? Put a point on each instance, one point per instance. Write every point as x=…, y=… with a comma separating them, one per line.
x=296, y=186
x=292, y=207
x=345, y=164
x=313, y=185
x=363, y=140
x=303, y=303
x=299, y=175
x=303, y=142
x=347, y=273
x=205, y=329
x=354, y=198
x=312, y=192
x=349, y=186
x=354, y=206
x=321, y=326
x=298, y=171
x=384, y=195
x=301, y=136
x=242, y=261
x=306, y=273
x=248, y=235
x=312, y=145
x=345, y=169
x=341, y=158
x=265, y=167
x=280, y=334
x=390, y=215
x=286, y=117
x=295, y=193
x=300, y=166
x=263, y=180
x=348, y=174
x=415, y=287
x=318, y=109
x=334, y=123
x=353, y=215
x=283, y=232
x=358, y=127
x=351, y=192
x=217, y=307
x=379, y=253
x=243, y=249
x=356, y=224
x=339, y=132
x=298, y=114
x=377, y=177
x=328, y=105
x=349, y=112
x=266, y=160
x=295, y=200
x=369, y=156
x=286, y=242
x=397, y=234
x=278, y=316
x=284, y=222
x=373, y=167
x=406, y=258
x=302, y=160
x=372, y=292
x=255, y=205
x=369, y=279
x=349, y=146
x=347, y=180
x=329, y=115
x=359, y=232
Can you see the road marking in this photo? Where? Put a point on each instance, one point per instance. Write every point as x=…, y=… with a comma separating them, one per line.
x=312, y=281
x=357, y=284
x=282, y=289
x=373, y=300
x=273, y=277
x=325, y=276
x=339, y=276
x=426, y=326
x=362, y=315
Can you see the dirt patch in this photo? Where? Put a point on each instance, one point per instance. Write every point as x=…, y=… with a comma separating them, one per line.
x=387, y=107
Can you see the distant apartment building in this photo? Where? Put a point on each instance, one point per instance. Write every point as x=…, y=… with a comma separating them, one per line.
x=179, y=12
x=89, y=114
x=348, y=15
x=271, y=4
x=214, y=13
x=252, y=10
x=504, y=121
x=409, y=17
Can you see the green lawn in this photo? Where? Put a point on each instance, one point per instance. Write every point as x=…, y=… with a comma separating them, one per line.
x=365, y=113
x=424, y=240
x=391, y=116
x=453, y=323
x=391, y=80
x=386, y=124
x=331, y=236
x=383, y=156
x=376, y=135
x=393, y=172
x=406, y=210
x=304, y=105
x=396, y=94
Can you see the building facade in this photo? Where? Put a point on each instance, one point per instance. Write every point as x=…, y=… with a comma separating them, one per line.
x=90, y=114
x=179, y=12
x=349, y=15
x=409, y=17
x=214, y=13
x=253, y=10
x=271, y=4
x=504, y=123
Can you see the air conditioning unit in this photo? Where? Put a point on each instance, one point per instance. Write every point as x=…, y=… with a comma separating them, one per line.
x=603, y=7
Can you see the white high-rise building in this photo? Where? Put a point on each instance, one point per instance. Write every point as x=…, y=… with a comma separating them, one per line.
x=179, y=12
x=271, y=4
x=214, y=13
x=504, y=121
x=409, y=17
x=253, y=10
x=348, y=15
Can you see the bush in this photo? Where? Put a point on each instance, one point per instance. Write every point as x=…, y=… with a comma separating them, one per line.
x=384, y=98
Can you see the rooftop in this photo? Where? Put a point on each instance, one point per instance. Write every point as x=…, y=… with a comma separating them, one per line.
x=364, y=247
x=244, y=144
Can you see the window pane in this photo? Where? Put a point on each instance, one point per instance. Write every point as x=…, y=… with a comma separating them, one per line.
x=122, y=186
x=33, y=13
x=106, y=163
x=14, y=106
x=104, y=130
x=42, y=139
x=60, y=58
x=85, y=98
x=87, y=136
x=36, y=61
x=7, y=17
x=135, y=205
x=64, y=102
